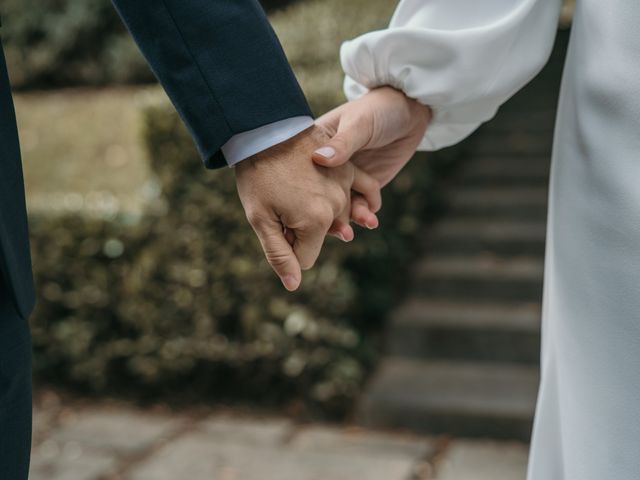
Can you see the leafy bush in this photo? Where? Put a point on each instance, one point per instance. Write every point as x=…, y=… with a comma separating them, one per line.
x=65, y=42
x=72, y=42
x=182, y=302
x=311, y=33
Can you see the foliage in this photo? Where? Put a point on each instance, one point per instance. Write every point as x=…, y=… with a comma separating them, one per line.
x=72, y=42
x=182, y=302
x=64, y=42
x=311, y=33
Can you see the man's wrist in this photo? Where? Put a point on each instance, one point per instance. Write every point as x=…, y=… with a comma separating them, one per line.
x=246, y=144
x=304, y=143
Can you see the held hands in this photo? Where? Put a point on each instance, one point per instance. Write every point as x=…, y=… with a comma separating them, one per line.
x=292, y=203
x=378, y=133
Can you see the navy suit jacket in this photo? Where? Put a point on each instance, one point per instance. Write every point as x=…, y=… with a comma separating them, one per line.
x=224, y=70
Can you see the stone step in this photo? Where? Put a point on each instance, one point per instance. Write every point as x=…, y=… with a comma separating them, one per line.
x=505, y=171
x=513, y=143
x=481, y=277
x=473, y=236
x=464, y=330
x=528, y=203
x=460, y=398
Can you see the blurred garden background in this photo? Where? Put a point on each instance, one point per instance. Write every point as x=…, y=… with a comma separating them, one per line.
x=152, y=287
x=151, y=283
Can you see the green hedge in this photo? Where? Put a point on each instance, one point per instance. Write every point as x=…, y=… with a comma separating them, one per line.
x=72, y=42
x=182, y=305
x=68, y=42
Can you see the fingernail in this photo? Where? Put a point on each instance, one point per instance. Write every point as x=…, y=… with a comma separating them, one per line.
x=326, y=152
x=290, y=282
x=342, y=237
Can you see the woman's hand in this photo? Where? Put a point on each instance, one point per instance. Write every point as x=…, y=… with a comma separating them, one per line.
x=379, y=132
x=292, y=203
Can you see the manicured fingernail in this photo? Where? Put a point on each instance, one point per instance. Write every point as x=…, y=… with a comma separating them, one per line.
x=290, y=282
x=326, y=152
x=371, y=225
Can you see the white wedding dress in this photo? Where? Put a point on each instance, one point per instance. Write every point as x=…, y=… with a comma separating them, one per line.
x=466, y=57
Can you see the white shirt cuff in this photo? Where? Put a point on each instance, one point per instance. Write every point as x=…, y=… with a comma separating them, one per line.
x=246, y=144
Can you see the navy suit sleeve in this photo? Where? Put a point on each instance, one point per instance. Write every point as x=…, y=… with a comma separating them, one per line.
x=220, y=63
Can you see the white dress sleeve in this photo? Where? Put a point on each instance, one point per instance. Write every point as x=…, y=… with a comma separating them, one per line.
x=463, y=58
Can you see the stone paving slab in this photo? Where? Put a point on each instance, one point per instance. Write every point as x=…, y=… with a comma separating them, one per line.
x=199, y=456
x=483, y=460
x=359, y=441
x=248, y=431
x=125, y=443
x=43, y=423
x=120, y=431
x=56, y=460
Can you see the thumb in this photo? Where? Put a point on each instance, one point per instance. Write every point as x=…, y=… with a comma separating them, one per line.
x=278, y=251
x=352, y=135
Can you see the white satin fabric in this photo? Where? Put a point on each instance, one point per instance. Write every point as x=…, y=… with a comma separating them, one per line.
x=465, y=58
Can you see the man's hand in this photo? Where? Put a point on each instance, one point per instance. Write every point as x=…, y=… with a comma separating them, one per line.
x=379, y=133
x=292, y=203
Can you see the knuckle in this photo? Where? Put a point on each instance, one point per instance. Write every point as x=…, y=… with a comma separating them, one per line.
x=254, y=217
x=277, y=259
x=360, y=122
x=317, y=212
x=371, y=184
x=340, y=142
x=359, y=202
x=360, y=209
x=339, y=199
x=346, y=174
x=325, y=219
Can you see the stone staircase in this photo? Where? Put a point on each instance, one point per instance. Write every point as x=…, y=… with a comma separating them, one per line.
x=462, y=350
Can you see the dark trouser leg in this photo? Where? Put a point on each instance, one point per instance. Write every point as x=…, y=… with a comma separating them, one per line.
x=15, y=392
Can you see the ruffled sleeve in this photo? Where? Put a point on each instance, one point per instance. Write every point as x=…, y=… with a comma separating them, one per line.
x=463, y=58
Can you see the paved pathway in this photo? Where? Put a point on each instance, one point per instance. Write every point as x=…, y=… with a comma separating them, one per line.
x=119, y=442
